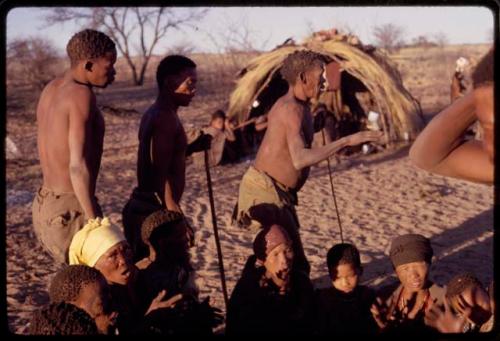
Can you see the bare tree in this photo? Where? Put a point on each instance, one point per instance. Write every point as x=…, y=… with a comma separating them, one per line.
x=146, y=25
x=32, y=60
x=388, y=36
x=441, y=39
x=423, y=41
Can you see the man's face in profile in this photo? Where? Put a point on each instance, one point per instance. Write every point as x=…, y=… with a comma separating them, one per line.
x=184, y=86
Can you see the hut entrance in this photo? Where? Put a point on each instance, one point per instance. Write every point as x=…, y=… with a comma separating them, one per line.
x=369, y=92
x=347, y=105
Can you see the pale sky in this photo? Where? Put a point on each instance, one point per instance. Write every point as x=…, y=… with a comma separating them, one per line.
x=270, y=26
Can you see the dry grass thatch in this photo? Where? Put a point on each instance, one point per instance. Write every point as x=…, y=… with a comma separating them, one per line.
x=401, y=113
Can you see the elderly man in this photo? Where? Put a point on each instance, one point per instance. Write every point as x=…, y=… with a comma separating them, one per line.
x=268, y=190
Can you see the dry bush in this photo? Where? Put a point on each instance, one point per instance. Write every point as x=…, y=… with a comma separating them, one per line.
x=389, y=36
x=32, y=62
x=427, y=72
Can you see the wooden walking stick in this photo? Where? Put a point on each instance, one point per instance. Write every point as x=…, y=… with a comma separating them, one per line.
x=333, y=190
x=216, y=231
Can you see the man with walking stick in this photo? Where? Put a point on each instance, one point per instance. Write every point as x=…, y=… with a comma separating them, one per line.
x=161, y=158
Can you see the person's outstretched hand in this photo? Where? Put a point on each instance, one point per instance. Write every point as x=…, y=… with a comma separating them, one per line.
x=158, y=303
x=444, y=320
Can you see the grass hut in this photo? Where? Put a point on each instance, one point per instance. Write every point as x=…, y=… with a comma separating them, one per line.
x=368, y=82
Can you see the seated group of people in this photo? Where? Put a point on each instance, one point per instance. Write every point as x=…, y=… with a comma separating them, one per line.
x=103, y=291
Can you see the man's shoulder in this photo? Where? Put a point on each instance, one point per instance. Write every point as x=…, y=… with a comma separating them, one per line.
x=286, y=105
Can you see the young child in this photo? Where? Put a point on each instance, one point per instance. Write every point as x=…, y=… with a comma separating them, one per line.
x=404, y=310
x=86, y=288
x=223, y=148
x=168, y=268
x=344, y=308
x=467, y=307
x=62, y=318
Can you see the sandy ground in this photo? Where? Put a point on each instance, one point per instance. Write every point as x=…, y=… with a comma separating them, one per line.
x=380, y=196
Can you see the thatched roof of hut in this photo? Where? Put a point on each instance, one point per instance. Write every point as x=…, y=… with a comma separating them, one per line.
x=401, y=113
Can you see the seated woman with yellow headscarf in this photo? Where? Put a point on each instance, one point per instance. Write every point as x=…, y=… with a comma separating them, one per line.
x=103, y=246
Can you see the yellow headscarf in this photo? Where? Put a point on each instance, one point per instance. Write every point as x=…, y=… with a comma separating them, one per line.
x=93, y=240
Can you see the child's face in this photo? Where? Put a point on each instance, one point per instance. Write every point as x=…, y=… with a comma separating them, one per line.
x=346, y=277
x=413, y=276
x=477, y=299
x=218, y=123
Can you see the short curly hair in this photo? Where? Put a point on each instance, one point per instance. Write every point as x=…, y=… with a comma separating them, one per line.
x=88, y=44
x=68, y=282
x=161, y=218
x=172, y=65
x=460, y=283
x=299, y=61
x=62, y=319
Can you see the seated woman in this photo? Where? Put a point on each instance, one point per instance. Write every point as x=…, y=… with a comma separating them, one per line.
x=103, y=246
x=467, y=307
x=404, y=310
x=271, y=297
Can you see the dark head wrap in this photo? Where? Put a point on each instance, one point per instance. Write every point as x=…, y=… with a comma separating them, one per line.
x=269, y=238
x=410, y=248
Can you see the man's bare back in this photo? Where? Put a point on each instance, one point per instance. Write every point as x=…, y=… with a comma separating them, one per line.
x=70, y=138
x=274, y=156
x=161, y=157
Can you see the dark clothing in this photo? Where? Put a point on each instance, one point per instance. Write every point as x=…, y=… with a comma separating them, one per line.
x=256, y=307
x=174, y=279
x=139, y=206
x=338, y=313
x=130, y=319
x=189, y=316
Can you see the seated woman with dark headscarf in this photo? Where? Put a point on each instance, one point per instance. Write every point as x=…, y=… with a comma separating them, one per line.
x=271, y=297
x=104, y=247
x=404, y=310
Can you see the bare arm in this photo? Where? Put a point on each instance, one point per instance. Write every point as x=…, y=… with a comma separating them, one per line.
x=80, y=122
x=228, y=131
x=439, y=147
x=304, y=157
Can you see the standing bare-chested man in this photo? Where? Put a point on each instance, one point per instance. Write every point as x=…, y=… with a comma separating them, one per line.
x=70, y=142
x=161, y=159
x=268, y=190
